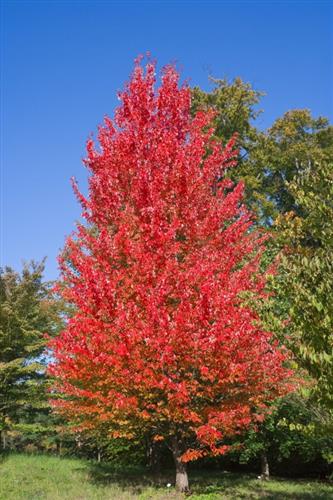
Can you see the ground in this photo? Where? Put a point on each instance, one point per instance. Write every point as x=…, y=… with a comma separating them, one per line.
x=37, y=477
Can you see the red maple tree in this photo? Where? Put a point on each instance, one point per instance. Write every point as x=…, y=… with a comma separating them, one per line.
x=163, y=339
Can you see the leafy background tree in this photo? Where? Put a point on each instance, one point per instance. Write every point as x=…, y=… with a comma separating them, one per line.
x=268, y=160
x=306, y=280
x=28, y=312
x=285, y=152
x=235, y=106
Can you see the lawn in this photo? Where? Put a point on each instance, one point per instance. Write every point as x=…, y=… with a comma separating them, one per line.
x=32, y=477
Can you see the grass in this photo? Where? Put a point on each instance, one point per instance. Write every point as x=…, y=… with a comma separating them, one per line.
x=34, y=477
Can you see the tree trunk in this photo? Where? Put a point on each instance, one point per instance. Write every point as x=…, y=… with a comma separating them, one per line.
x=99, y=456
x=3, y=439
x=154, y=457
x=59, y=443
x=182, y=484
x=264, y=466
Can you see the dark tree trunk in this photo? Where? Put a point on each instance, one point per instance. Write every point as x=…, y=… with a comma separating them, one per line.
x=154, y=457
x=182, y=484
x=59, y=444
x=264, y=466
x=3, y=439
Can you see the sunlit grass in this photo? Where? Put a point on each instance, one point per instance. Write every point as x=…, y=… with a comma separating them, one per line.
x=29, y=477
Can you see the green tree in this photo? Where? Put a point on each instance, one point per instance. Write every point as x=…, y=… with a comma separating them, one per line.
x=27, y=312
x=235, y=105
x=304, y=287
x=268, y=160
x=284, y=153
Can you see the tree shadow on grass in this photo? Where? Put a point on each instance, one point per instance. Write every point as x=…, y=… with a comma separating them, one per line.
x=209, y=484
x=248, y=487
x=3, y=456
x=131, y=479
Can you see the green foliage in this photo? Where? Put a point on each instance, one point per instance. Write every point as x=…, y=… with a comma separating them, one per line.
x=305, y=284
x=285, y=152
x=99, y=445
x=268, y=160
x=27, y=312
x=296, y=431
x=235, y=106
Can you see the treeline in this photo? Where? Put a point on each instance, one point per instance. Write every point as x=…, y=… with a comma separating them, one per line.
x=288, y=174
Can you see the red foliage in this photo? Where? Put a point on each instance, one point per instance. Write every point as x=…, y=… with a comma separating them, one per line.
x=163, y=339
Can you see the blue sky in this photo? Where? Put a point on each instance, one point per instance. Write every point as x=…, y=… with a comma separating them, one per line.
x=63, y=62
